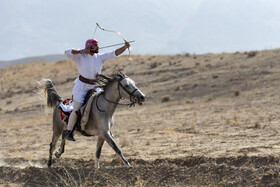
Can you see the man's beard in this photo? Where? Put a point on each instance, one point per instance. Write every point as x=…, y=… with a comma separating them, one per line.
x=94, y=51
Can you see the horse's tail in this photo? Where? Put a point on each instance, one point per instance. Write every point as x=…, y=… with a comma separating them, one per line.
x=53, y=98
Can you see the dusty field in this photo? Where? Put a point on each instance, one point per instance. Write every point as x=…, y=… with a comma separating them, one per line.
x=208, y=119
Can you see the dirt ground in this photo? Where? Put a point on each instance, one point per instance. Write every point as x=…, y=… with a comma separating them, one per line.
x=210, y=119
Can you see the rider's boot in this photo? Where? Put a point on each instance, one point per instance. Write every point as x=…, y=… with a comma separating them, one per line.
x=84, y=133
x=68, y=134
x=72, y=120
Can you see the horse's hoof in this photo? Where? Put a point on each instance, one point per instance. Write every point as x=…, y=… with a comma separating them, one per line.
x=126, y=163
x=96, y=164
x=96, y=167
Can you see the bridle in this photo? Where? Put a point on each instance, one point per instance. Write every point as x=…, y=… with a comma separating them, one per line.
x=122, y=77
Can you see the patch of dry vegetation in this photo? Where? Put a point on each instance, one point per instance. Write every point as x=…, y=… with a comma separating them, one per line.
x=219, y=113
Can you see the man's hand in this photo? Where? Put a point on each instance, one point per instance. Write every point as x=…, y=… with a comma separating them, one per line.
x=122, y=49
x=127, y=44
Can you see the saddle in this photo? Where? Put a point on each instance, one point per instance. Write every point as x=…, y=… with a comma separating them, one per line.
x=66, y=108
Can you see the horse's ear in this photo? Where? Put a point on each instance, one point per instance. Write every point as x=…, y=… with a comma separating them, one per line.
x=121, y=75
x=124, y=75
x=118, y=76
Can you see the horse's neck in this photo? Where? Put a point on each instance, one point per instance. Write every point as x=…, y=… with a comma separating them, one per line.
x=111, y=93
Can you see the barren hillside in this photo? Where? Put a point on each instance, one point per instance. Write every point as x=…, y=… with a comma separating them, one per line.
x=208, y=119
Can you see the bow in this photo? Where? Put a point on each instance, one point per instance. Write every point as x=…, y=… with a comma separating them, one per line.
x=120, y=34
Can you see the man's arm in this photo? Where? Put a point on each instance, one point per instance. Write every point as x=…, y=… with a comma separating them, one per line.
x=122, y=49
x=82, y=51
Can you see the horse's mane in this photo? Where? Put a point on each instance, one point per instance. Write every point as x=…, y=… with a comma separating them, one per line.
x=104, y=80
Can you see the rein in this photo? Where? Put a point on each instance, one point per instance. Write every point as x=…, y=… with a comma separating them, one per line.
x=117, y=103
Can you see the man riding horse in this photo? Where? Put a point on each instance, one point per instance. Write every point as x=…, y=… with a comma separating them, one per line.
x=89, y=64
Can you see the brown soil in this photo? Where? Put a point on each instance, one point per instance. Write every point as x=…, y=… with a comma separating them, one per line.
x=209, y=119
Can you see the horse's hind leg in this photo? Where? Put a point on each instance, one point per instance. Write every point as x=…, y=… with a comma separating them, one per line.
x=99, y=145
x=112, y=143
x=60, y=151
x=52, y=147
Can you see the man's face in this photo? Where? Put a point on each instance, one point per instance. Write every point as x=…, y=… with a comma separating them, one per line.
x=94, y=48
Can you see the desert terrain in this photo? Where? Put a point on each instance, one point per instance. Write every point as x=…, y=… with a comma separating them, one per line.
x=208, y=120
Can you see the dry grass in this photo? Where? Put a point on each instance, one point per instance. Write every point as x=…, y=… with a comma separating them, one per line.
x=43, y=119
x=217, y=106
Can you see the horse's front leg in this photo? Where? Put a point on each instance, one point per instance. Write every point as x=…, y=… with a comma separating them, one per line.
x=112, y=143
x=99, y=145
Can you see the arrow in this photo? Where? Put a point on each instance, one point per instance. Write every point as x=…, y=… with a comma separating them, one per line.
x=115, y=44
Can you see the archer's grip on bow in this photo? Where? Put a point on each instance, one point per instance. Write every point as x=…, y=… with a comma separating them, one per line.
x=127, y=44
x=122, y=49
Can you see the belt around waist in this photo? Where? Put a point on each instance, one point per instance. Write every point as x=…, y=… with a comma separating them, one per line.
x=87, y=81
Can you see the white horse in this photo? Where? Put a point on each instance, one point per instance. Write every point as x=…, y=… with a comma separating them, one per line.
x=101, y=116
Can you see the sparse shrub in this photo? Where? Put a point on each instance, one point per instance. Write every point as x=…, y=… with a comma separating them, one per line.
x=195, y=85
x=252, y=54
x=153, y=65
x=215, y=76
x=187, y=54
x=189, y=102
x=140, y=182
x=65, y=177
x=257, y=125
x=165, y=98
x=124, y=142
x=236, y=93
x=236, y=120
x=178, y=144
x=178, y=88
x=208, y=65
x=210, y=99
x=59, y=62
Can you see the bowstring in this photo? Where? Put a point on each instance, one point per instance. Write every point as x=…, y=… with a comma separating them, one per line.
x=120, y=34
x=128, y=59
x=94, y=31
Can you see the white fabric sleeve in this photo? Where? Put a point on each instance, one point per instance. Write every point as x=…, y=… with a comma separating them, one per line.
x=108, y=56
x=71, y=56
x=68, y=53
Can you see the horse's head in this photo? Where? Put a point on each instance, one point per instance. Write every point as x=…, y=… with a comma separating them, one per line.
x=128, y=89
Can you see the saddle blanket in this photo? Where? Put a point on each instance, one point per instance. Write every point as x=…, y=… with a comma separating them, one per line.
x=66, y=106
